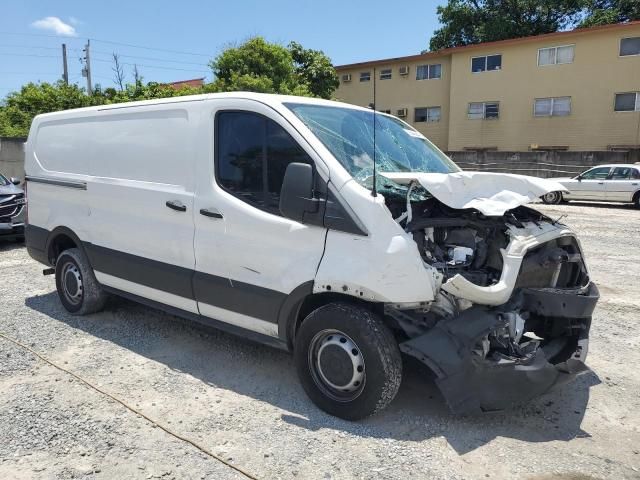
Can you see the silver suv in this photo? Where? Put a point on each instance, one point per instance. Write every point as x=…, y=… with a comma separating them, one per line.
x=12, y=209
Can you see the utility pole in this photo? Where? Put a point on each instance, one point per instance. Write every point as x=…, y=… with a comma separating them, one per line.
x=65, y=70
x=86, y=71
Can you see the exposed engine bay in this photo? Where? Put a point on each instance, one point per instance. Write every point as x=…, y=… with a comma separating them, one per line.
x=513, y=308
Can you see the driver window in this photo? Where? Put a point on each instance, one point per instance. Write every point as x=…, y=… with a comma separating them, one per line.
x=252, y=154
x=600, y=173
x=621, y=173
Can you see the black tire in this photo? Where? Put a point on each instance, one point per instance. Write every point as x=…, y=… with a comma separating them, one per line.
x=78, y=289
x=636, y=200
x=353, y=329
x=552, y=198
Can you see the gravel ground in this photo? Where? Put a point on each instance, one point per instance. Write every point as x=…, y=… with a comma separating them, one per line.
x=243, y=401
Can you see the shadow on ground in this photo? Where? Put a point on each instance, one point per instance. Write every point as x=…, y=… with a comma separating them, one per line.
x=6, y=244
x=268, y=375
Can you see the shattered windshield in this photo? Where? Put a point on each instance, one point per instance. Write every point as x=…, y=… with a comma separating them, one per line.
x=348, y=135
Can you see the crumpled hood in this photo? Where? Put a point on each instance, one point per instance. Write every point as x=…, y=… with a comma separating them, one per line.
x=492, y=194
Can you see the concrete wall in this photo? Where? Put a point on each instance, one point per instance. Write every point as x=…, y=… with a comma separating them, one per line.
x=12, y=157
x=540, y=164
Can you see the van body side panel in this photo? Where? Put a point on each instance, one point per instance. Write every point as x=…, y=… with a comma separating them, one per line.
x=384, y=266
x=143, y=159
x=131, y=162
x=263, y=256
x=52, y=206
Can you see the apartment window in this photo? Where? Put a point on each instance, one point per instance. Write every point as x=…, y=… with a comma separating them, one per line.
x=487, y=63
x=484, y=110
x=428, y=72
x=556, y=55
x=365, y=76
x=385, y=74
x=387, y=111
x=630, y=46
x=427, y=114
x=552, y=107
x=627, y=102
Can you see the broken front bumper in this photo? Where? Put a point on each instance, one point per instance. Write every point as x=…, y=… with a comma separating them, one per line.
x=470, y=383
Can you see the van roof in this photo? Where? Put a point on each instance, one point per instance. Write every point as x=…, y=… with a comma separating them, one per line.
x=266, y=98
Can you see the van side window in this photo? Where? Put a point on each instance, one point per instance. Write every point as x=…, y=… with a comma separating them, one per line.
x=252, y=154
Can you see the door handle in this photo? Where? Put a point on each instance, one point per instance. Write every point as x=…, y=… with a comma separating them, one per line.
x=635, y=184
x=600, y=183
x=176, y=205
x=210, y=212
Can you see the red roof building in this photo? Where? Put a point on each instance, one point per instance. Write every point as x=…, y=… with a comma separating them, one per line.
x=193, y=83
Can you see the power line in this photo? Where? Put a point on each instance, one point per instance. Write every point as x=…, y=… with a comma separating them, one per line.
x=28, y=55
x=154, y=66
x=150, y=58
x=28, y=73
x=131, y=45
x=28, y=46
x=179, y=52
x=48, y=35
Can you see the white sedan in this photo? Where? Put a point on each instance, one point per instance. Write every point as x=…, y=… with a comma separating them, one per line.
x=605, y=183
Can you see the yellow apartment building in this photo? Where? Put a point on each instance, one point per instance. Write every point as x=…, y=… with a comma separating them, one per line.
x=574, y=90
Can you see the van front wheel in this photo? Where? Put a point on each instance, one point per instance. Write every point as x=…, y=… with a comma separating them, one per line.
x=348, y=361
x=79, y=291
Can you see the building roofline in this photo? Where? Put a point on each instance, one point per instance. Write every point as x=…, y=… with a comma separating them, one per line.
x=189, y=80
x=510, y=41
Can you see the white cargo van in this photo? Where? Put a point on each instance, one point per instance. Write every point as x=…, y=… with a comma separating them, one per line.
x=287, y=220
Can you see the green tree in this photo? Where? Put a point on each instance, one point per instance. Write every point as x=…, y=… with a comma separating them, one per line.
x=315, y=70
x=465, y=22
x=255, y=65
x=260, y=66
x=602, y=12
x=19, y=108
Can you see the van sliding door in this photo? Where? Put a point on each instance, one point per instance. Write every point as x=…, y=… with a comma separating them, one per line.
x=141, y=201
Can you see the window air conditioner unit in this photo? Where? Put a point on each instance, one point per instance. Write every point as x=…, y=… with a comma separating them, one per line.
x=402, y=112
x=404, y=70
x=346, y=77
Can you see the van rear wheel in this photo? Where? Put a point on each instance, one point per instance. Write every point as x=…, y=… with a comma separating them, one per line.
x=79, y=291
x=348, y=361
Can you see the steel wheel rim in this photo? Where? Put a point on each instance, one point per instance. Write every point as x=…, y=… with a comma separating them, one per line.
x=325, y=347
x=71, y=280
x=551, y=197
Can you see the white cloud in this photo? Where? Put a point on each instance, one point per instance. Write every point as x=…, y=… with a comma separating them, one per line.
x=74, y=21
x=55, y=25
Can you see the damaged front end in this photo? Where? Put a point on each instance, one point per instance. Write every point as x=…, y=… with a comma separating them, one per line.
x=513, y=306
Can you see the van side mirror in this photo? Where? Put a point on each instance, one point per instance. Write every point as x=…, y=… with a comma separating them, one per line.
x=14, y=180
x=296, y=195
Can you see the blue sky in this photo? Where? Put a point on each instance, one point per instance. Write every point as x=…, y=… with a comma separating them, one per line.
x=32, y=31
